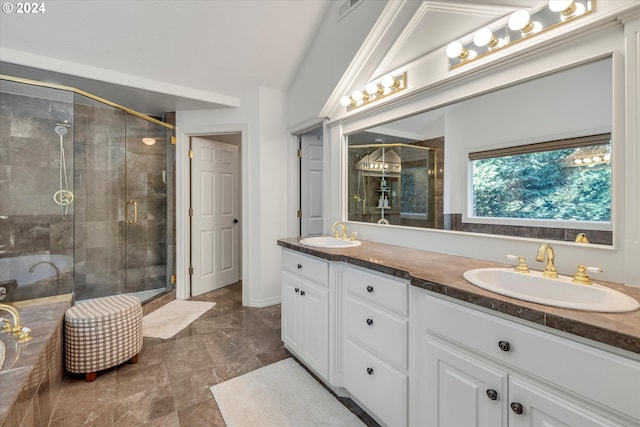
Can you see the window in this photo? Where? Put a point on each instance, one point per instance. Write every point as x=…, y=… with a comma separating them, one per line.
x=564, y=180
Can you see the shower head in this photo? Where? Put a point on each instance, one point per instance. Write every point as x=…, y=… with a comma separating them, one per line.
x=61, y=129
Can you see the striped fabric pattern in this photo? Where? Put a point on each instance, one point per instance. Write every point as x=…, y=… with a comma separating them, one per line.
x=102, y=333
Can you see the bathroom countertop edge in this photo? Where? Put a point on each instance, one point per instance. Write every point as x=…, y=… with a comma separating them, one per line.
x=442, y=274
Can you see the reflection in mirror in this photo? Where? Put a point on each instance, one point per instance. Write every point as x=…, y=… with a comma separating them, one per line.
x=412, y=189
x=396, y=183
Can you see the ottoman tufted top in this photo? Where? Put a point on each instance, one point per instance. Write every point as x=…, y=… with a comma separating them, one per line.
x=103, y=310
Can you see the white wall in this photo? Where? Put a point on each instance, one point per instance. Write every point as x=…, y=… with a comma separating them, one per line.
x=261, y=119
x=329, y=55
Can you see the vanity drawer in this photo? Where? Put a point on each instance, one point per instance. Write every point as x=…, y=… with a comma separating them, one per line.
x=382, y=389
x=604, y=377
x=309, y=267
x=380, y=289
x=378, y=331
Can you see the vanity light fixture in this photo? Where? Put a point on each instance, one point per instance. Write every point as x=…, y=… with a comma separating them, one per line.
x=148, y=141
x=521, y=24
x=375, y=90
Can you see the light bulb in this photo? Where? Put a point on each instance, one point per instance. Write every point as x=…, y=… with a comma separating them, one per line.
x=357, y=95
x=560, y=5
x=456, y=50
x=520, y=20
x=597, y=158
x=387, y=81
x=372, y=88
x=578, y=161
x=345, y=101
x=587, y=160
x=484, y=37
x=148, y=141
x=607, y=157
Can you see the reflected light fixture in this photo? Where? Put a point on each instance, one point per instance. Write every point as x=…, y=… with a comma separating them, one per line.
x=375, y=90
x=522, y=23
x=148, y=141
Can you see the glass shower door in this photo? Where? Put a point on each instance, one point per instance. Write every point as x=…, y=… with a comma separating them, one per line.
x=147, y=179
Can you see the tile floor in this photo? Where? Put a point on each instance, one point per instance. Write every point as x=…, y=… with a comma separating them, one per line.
x=169, y=386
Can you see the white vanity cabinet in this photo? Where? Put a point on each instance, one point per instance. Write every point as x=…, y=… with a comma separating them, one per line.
x=375, y=354
x=484, y=370
x=305, y=309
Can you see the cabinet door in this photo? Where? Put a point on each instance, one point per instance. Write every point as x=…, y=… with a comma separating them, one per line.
x=462, y=390
x=290, y=309
x=314, y=320
x=533, y=405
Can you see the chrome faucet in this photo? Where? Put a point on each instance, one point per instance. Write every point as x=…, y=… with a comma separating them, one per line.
x=24, y=334
x=550, y=270
x=55, y=267
x=335, y=232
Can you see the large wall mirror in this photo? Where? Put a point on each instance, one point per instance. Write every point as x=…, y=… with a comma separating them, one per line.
x=530, y=160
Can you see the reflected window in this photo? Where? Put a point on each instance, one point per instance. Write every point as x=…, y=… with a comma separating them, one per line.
x=565, y=180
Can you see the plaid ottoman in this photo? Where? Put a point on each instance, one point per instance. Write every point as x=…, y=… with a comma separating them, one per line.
x=102, y=333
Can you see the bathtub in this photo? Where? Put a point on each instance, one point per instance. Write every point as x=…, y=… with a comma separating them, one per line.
x=36, y=276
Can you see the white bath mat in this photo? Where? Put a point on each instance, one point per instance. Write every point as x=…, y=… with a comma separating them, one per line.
x=171, y=318
x=280, y=395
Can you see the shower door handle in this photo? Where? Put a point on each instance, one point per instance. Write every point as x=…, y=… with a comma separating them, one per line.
x=135, y=211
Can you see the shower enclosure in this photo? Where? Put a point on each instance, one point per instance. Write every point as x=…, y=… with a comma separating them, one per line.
x=88, y=196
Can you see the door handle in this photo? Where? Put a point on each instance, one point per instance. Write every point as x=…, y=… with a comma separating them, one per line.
x=135, y=211
x=235, y=220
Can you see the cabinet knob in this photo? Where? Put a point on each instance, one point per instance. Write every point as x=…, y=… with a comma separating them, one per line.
x=504, y=345
x=299, y=266
x=369, y=288
x=516, y=408
x=492, y=394
x=297, y=290
x=370, y=371
x=302, y=293
x=369, y=322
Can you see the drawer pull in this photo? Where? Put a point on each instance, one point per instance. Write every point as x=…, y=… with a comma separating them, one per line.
x=370, y=371
x=302, y=293
x=369, y=288
x=299, y=266
x=492, y=394
x=369, y=322
x=516, y=408
x=504, y=345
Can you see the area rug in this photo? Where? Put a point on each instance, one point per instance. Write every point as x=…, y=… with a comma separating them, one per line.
x=171, y=318
x=282, y=394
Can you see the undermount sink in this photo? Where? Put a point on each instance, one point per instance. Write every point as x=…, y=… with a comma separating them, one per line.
x=560, y=292
x=329, y=242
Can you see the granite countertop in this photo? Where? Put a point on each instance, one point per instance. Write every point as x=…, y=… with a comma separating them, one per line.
x=442, y=273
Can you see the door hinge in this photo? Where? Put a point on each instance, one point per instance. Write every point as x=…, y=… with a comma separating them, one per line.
x=191, y=154
x=299, y=153
x=190, y=211
x=299, y=213
x=173, y=140
x=190, y=271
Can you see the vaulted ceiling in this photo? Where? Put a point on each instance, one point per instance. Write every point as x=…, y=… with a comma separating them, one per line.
x=198, y=54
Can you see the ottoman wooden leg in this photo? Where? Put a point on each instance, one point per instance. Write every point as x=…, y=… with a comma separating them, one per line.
x=134, y=359
x=91, y=376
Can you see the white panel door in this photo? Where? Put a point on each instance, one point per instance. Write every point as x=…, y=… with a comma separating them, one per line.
x=214, y=225
x=311, y=185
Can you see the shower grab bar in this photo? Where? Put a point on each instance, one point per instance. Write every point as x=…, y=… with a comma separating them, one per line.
x=135, y=211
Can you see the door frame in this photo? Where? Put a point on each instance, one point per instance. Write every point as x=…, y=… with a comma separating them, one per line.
x=183, y=203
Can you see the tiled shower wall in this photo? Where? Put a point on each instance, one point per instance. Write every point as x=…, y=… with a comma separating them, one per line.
x=111, y=256
x=30, y=222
